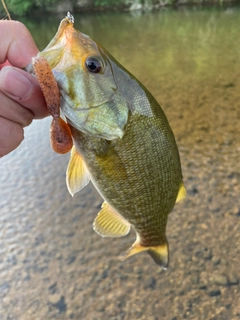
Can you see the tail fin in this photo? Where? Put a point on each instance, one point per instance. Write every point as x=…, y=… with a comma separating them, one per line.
x=158, y=253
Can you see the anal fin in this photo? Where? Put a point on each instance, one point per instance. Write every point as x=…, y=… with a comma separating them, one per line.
x=77, y=175
x=109, y=223
x=181, y=193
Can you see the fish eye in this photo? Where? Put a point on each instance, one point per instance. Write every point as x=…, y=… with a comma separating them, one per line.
x=93, y=65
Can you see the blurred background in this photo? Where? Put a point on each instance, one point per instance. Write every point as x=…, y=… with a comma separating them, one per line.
x=52, y=264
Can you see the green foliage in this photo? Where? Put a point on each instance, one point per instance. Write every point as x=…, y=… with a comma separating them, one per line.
x=19, y=7
x=22, y=7
x=108, y=3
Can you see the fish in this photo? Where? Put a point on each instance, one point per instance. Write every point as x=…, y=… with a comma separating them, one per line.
x=122, y=140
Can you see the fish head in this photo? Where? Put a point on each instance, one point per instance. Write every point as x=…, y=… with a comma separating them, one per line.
x=90, y=99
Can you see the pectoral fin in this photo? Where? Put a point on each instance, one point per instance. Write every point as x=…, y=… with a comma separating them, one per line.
x=77, y=175
x=109, y=223
x=181, y=193
x=158, y=253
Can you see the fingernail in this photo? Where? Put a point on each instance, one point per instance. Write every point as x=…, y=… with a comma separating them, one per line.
x=14, y=83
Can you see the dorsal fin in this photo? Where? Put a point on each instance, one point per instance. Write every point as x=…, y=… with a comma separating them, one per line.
x=109, y=223
x=181, y=193
x=77, y=175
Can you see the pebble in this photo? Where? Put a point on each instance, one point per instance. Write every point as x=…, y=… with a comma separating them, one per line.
x=207, y=253
x=214, y=293
x=70, y=314
x=53, y=288
x=204, y=253
x=54, y=298
x=220, y=280
x=98, y=204
x=119, y=317
x=59, y=304
x=233, y=279
x=4, y=288
x=58, y=255
x=203, y=287
x=216, y=260
x=236, y=211
x=150, y=282
x=101, y=306
x=71, y=259
x=195, y=278
x=137, y=269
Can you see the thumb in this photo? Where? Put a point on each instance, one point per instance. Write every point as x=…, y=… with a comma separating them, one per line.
x=23, y=88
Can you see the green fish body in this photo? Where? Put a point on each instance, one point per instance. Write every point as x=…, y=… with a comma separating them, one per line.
x=122, y=142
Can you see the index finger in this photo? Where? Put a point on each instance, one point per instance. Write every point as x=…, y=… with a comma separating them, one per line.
x=16, y=44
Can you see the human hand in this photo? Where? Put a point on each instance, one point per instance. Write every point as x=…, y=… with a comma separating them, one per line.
x=21, y=99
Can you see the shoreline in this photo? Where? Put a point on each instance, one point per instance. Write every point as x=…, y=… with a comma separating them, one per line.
x=84, y=6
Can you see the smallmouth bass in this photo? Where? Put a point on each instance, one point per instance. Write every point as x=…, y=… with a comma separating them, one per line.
x=122, y=140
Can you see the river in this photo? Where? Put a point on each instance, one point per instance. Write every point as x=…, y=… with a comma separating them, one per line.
x=54, y=266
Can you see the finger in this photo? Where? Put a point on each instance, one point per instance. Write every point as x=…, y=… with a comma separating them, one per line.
x=11, y=135
x=17, y=44
x=13, y=111
x=6, y=63
x=23, y=88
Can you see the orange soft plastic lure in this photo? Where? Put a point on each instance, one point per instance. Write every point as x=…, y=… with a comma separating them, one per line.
x=60, y=134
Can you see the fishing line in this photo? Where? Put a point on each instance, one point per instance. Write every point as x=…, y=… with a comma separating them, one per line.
x=6, y=9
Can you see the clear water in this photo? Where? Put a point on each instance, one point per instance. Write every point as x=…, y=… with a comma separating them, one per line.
x=53, y=265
